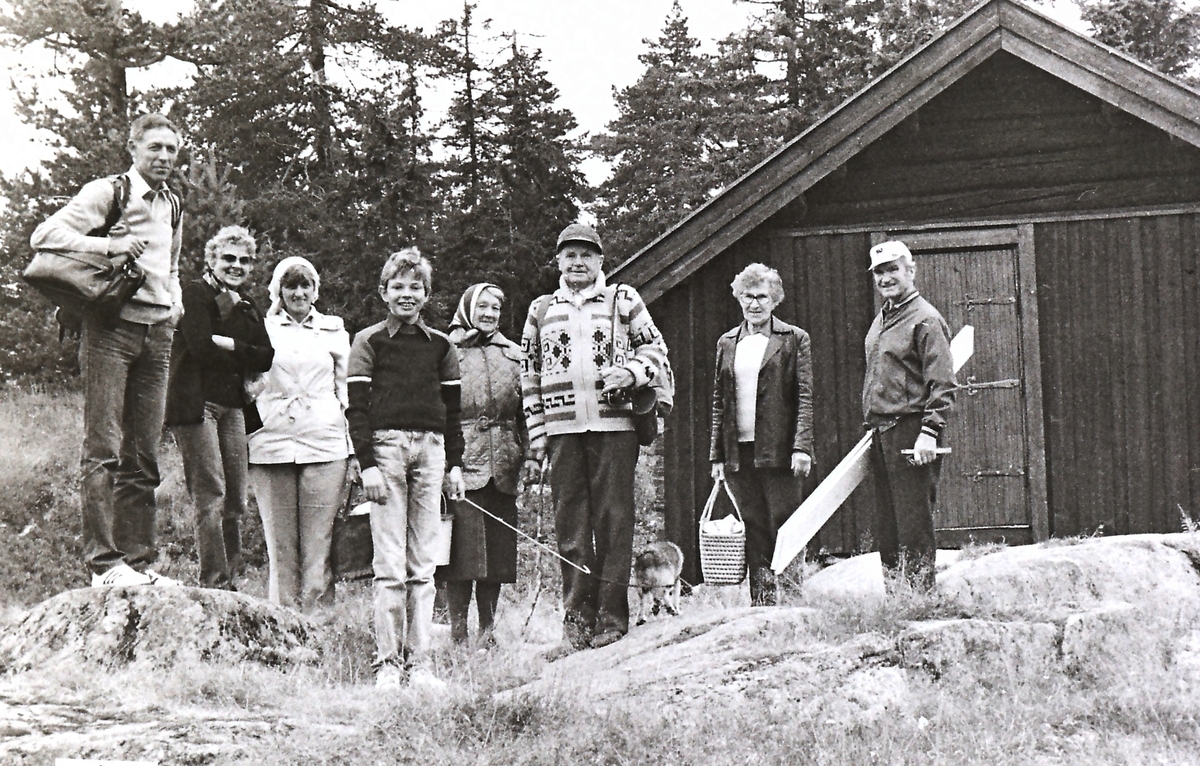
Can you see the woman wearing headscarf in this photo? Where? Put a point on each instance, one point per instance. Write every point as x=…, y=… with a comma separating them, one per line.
x=298, y=459
x=762, y=419
x=220, y=341
x=483, y=552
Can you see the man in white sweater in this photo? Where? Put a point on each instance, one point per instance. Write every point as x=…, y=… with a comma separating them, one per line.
x=125, y=359
x=588, y=346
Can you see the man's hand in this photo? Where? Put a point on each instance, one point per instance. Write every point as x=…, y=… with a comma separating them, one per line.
x=801, y=463
x=454, y=486
x=127, y=245
x=718, y=471
x=223, y=341
x=531, y=471
x=353, y=470
x=615, y=379
x=373, y=485
x=924, y=449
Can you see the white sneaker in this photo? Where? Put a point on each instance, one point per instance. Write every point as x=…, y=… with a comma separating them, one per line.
x=122, y=575
x=389, y=677
x=157, y=579
x=424, y=680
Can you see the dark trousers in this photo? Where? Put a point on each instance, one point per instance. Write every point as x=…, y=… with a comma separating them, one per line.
x=766, y=497
x=591, y=479
x=905, y=495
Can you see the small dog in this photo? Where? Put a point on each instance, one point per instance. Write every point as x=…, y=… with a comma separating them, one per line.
x=656, y=573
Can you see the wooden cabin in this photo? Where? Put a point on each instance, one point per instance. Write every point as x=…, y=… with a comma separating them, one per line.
x=1050, y=190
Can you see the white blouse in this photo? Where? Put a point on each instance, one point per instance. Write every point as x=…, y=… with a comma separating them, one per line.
x=747, y=359
x=304, y=403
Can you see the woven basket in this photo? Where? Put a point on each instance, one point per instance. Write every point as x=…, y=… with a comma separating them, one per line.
x=722, y=556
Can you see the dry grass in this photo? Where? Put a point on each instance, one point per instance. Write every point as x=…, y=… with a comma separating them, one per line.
x=329, y=713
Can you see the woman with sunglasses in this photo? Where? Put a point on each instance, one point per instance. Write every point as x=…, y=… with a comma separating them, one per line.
x=220, y=342
x=298, y=459
x=762, y=432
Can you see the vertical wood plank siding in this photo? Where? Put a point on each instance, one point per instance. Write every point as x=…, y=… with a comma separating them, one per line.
x=1120, y=336
x=1118, y=298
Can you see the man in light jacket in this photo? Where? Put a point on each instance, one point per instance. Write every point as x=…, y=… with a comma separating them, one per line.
x=125, y=360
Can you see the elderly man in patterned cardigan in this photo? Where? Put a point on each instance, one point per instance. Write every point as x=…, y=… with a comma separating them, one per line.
x=587, y=346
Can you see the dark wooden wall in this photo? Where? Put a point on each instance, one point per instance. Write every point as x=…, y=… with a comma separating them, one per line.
x=1006, y=139
x=1119, y=299
x=1119, y=302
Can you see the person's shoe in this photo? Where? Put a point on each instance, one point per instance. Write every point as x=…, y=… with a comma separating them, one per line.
x=389, y=677
x=423, y=679
x=157, y=579
x=606, y=638
x=120, y=575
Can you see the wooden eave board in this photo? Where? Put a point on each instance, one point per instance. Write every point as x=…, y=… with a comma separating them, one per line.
x=884, y=103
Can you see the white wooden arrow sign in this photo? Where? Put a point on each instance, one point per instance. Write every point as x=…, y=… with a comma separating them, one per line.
x=816, y=509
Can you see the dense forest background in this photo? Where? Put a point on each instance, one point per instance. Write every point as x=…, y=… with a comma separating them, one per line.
x=305, y=120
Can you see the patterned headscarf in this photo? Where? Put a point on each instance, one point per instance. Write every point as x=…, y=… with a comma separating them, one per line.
x=277, y=277
x=468, y=310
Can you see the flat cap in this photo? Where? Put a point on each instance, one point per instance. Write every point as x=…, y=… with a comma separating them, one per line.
x=579, y=232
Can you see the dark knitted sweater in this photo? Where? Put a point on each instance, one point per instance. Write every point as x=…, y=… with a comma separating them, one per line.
x=403, y=377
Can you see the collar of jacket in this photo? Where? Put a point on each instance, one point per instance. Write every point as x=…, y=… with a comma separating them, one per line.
x=394, y=326
x=315, y=319
x=889, y=307
x=577, y=298
x=778, y=327
x=140, y=188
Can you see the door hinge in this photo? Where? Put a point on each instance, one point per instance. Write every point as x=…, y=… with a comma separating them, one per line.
x=971, y=387
x=977, y=475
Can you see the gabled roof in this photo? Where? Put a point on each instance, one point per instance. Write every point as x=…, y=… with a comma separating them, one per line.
x=996, y=25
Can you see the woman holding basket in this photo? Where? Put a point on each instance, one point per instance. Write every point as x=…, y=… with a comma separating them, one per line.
x=483, y=551
x=762, y=434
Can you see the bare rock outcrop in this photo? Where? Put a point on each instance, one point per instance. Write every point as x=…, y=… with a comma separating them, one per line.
x=1090, y=606
x=159, y=625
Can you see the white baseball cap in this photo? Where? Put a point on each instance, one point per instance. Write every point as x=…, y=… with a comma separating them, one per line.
x=885, y=252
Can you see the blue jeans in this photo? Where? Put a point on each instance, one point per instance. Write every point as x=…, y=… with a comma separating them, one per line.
x=215, y=460
x=298, y=503
x=404, y=531
x=125, y=373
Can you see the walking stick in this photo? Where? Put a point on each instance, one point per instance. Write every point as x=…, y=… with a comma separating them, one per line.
x=537, y=561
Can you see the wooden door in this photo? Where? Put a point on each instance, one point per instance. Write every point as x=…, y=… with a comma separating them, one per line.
x=993, y=483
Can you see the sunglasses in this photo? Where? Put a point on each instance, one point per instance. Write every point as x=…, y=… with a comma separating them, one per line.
x=241, y=260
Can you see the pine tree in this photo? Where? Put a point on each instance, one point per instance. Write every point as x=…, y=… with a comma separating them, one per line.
x=1161, y=33
x=511, y=176
x=96, y=42
x=661, y=146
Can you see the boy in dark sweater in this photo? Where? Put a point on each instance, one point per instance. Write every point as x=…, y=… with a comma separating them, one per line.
x=404, y=418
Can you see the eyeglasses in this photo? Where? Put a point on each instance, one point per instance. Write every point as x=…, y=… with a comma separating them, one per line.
x=241, y=260
x=761, y=300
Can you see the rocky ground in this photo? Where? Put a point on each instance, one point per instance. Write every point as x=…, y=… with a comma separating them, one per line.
x=1081, y=607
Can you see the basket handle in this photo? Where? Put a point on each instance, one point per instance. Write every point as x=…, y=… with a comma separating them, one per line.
x=712, y=501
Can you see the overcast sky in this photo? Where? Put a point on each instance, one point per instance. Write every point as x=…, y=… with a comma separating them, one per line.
x=589, y=47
